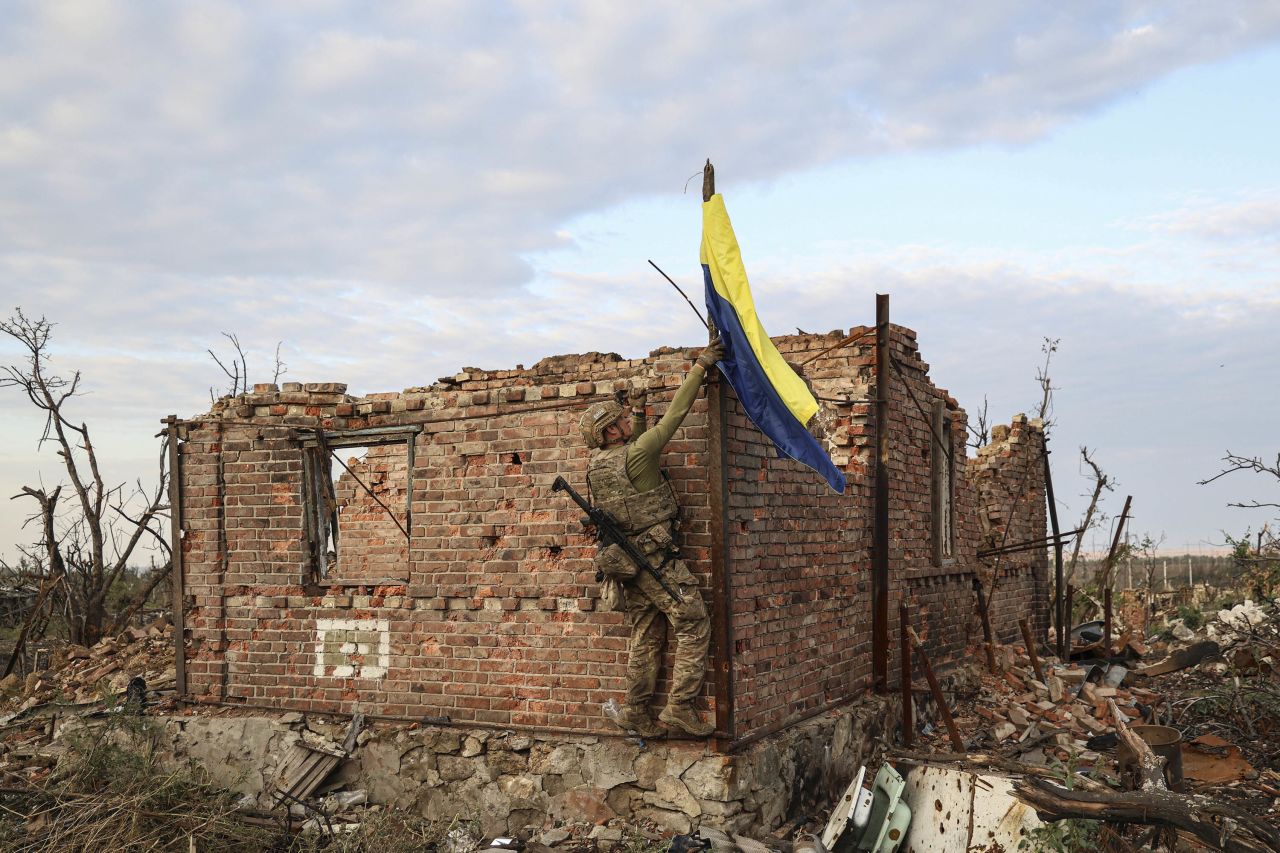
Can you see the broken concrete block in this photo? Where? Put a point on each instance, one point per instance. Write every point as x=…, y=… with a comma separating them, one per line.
x=670, y=820
x=605, y=833
x=583, y=803
x=552, y=837
x=1056, y=689
x=1003, y=731
x=519, y=743
x=677, y=793
x=1071, y=675
x=709, y=778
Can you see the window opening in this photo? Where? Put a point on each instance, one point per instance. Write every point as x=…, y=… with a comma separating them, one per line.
x=358, y=513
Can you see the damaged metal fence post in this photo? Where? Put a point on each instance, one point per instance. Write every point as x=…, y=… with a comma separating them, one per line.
x=1060, y=620
x=1106, y=621
x=956, y=742
x=175, y=543
x=1070, y=607
x=908, y=723
x=880, y=522
x=1105, y=579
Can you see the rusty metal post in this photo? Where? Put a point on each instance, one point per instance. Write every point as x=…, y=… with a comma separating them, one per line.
x=1106, y=620
x=721, y=590
x=1115, y=543
x=880, y=523
x=718, y=488
x=956, y=743
x=177, y=580
x=1031, y=649
x=1059, y=619
x=908, y=721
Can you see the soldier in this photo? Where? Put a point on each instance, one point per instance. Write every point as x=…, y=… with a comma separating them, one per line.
x=627, y=482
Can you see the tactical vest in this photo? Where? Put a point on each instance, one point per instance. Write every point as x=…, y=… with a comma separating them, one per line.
x=647, y=517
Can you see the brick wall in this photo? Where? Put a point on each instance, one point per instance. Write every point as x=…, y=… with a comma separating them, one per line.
x=496, y=621
x=799, y=554
x=489, y=614
x=938, y=592
x=1008, y=475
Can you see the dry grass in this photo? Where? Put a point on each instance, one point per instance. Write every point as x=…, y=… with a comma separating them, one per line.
x=110, y=791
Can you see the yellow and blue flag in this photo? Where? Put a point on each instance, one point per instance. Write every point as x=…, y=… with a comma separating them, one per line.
x=775, y=398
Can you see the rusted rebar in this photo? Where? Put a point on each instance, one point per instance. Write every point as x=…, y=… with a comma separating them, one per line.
x=956, y=743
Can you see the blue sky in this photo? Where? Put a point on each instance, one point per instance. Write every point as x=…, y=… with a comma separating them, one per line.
x=393, y=193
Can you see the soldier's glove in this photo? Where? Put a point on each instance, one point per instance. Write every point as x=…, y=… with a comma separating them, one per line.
x=637, y=395
x=713, y=351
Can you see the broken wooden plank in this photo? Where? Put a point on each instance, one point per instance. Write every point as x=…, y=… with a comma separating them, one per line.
x=1182, y=658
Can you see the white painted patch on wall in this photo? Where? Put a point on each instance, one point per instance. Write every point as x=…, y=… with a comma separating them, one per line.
x=352, y=648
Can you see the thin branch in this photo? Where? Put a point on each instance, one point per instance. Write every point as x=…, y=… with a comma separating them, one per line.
x=981, y=433
x=280, y=368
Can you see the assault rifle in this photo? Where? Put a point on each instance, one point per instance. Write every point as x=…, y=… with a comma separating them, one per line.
x=610, y=534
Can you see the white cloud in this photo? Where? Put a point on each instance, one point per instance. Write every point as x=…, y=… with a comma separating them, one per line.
x=386, y=143
x=1253, y=220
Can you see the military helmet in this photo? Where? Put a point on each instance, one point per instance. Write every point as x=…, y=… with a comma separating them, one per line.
x=596, y=418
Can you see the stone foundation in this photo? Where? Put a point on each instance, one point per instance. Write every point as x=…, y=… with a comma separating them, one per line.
x=511, y=781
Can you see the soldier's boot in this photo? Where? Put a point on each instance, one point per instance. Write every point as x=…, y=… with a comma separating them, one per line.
x=637, y=720
x=684, y=718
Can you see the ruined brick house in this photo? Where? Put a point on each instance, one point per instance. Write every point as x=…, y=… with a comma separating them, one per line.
x=432, y=576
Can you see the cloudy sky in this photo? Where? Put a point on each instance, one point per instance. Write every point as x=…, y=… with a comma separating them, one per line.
x=396, y=191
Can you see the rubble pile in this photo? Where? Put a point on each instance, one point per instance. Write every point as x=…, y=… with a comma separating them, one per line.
x=1207, y=704
x=135, y=666
x=83, y=676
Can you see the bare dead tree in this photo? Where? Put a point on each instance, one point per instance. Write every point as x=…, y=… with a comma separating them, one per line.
x=1045, y=408
x=1260, y=559
x=280, y=367
x=1233, y=463
x=1145, y=549
x=980, y=436
x=238, y=372
x=85, y=545
x=1101, y=483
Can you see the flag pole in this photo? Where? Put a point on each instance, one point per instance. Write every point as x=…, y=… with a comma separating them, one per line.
x=708, y=190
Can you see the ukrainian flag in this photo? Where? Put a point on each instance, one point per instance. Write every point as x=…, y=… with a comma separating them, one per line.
x=775, y=398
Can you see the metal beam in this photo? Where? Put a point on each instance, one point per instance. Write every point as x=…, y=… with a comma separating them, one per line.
x=721, y=588
x=880, y=523
x=175, y=542
x=1059, y=619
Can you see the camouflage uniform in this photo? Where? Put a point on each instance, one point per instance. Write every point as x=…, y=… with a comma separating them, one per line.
x=626, y=481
